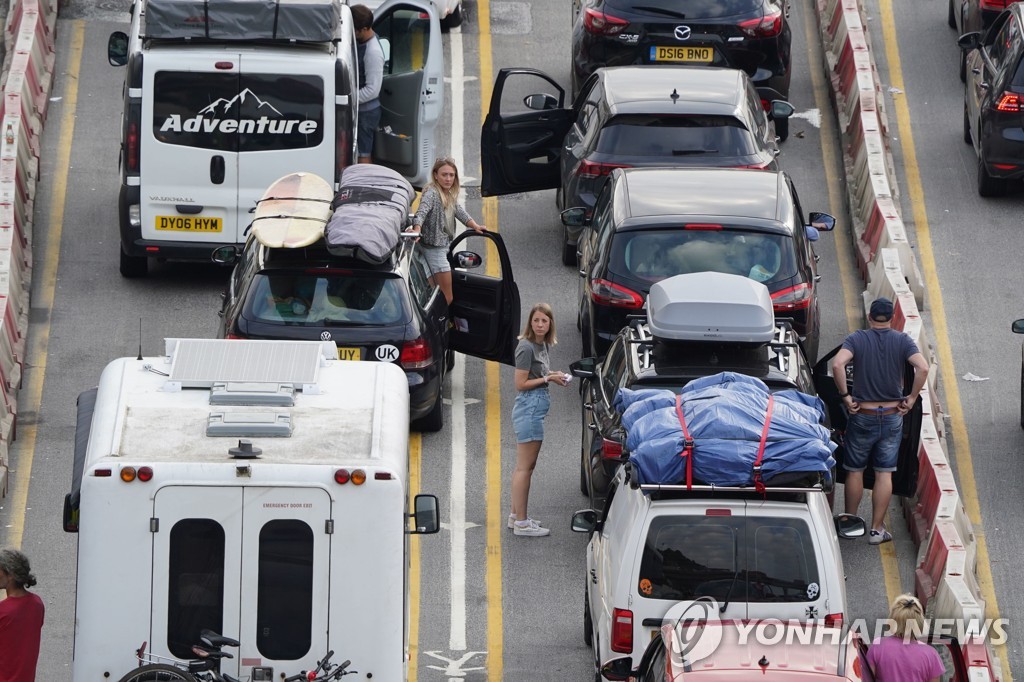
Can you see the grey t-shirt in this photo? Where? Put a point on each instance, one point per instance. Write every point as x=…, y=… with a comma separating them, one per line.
x=879, y=359
x=534, y=357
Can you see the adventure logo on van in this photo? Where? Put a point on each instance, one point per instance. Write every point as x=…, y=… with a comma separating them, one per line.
x=228, y=114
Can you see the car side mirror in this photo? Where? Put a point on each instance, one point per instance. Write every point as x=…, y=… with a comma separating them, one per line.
x=225, y=255
x=781, y=109
x=969, y=41
x=584, y=521
x=618, y=669
x=117, y=48
x=541, y=102
x=585, y=368
x=822, y=222
x=850, y=526
x=467, y=260
x=575, y=217
x=426, y=515
x=1017, y=327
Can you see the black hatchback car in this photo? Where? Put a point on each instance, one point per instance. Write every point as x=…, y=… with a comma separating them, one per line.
x=636, y=360
x=386, y=313
x=994, y=101
x=752, y=35
x=652, y=223
x=624, y=117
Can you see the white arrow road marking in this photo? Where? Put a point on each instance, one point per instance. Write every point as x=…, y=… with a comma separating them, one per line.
x=454, y=665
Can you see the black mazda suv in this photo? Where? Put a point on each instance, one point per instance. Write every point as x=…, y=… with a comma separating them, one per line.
x=752, y=35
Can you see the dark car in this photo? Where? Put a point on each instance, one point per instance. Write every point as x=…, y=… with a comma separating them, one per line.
x=966, y=16
x=652, y=223
x=385, y=313
x=994, y=101
x=623, y=117
x=752, y=35
x=1018, y=328
x=636, y=360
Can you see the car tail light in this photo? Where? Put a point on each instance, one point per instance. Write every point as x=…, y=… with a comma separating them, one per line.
x=1005, y=166
x=755, y=166
x=702, y=226
x=768, y=26
x=718, y=512
x=590, y=169
x=229, y=335
x=603, y=292
x=610, y=449
x=1009, y=102
x=994, y=5
x=792, y=298
x=600, y=23
x=834, y=620
x=416, y=354
x=622, y=631
x=132, y=147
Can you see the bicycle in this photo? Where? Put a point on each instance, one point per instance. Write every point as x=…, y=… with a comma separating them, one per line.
x=329, y=672
x=205, y=667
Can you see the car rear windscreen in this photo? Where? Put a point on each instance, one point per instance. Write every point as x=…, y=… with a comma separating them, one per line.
x=338, y=298
x=729, y=558
x=693, y=10
x=234, y=112
x=677, y=137
x=653, y=255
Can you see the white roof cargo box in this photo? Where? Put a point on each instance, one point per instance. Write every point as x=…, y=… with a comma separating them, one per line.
x=288, y=20
x=711, y=306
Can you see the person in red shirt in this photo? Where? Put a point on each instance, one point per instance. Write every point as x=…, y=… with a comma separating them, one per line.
x=21, y=619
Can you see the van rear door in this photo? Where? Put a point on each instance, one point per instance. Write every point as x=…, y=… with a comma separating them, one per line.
x=189, y=151
x=249, y=563
x=412, y=94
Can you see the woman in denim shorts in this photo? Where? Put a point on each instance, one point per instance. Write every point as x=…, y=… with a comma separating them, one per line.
x=533, y=376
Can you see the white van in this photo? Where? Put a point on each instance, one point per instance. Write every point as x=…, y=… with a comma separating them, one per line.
x=245, y=488
x=224, y=97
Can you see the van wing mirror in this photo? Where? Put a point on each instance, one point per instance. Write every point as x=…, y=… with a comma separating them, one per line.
x=584, y=521
x=618, y=668
x=1017, y=327
x=823, y=222
x=575, y=217
x=585, y=368
x=117, y=48
x=969, y=41
x=426, y=515
x=850, y=526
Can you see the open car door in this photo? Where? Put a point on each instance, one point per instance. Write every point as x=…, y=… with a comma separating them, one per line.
x=904, y=480
x=485, y=308
x=522, y=135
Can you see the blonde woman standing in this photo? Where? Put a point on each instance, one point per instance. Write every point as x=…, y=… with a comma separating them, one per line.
x=900, y=657
x=435, y=220
x=533, y=376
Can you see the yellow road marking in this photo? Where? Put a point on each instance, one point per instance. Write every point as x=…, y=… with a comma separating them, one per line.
x=415, y=457
x=39, y=334
x=963, y=461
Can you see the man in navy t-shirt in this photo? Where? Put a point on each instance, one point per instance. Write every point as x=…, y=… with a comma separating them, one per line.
x=876, y=408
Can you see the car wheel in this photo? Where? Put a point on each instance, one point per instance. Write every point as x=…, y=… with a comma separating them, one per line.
x=133, y=267
x=449, y=360
x=951, y=19
x=987, y=185
x=967, y=125
x=452, y=20
x=588, y=622
x=432, y=421
x=782, y=129
x=963, y=66
x=568, y=250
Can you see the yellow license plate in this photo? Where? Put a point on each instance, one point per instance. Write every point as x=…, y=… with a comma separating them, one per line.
x=188, y=223
x=347, y=353
x=683, y=54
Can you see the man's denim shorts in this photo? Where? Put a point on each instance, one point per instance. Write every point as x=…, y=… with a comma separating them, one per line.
x=368, y=122
x=437, y=258
x=873, y=439
x=528, y=414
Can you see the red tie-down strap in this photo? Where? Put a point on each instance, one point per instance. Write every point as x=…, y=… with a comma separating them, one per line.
x=758, y=483
x=687, y=442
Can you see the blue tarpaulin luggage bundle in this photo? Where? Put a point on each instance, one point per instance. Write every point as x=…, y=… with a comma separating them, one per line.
x=714, y=431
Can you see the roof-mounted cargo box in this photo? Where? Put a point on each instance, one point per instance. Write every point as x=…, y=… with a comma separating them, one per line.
x=711, y=306
x=287, y=20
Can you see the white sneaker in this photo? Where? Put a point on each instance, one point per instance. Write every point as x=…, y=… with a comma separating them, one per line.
x=512, y=521
x=529, y=528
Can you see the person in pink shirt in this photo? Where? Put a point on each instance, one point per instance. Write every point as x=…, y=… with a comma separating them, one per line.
x=21, y=619
x=900, y=657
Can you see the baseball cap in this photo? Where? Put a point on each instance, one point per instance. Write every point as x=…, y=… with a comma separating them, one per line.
x=881, y=309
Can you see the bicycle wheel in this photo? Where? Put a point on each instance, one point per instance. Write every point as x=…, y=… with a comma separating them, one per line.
x=158, y=672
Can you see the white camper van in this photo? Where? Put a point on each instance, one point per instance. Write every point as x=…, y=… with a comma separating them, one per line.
x=223, y=97
x=244, y=487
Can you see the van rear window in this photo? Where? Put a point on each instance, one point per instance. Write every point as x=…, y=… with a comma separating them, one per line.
x=233, y=112
x=729, y=558
x=284, y=601
x=195, y=598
